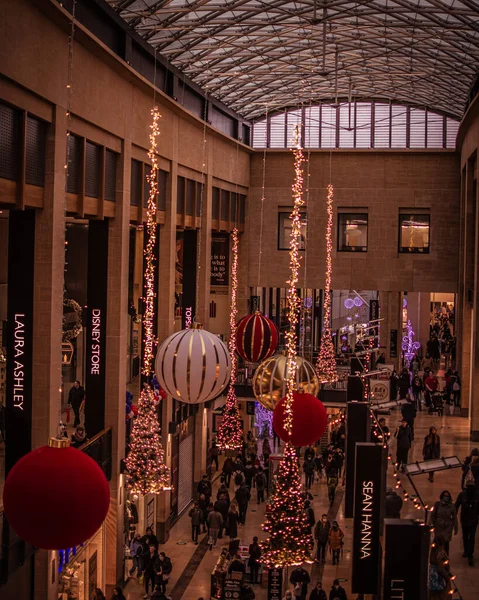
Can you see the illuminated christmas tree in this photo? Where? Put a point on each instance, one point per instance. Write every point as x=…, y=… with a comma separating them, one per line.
x=326, y=363
x=290, y=541
x=147, y=471
x=230, y=433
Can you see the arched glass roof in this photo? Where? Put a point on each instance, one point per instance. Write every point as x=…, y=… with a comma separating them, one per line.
x=258, y=55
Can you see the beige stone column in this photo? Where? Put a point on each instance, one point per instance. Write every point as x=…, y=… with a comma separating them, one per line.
x=116, y=367
x=47, y=315
x=473, y=194
x=203, y=272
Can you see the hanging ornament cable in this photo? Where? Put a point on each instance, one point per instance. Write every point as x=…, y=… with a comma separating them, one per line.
x=261, y=218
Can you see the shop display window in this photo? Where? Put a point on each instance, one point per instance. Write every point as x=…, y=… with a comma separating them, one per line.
x=352, y=232
x=414, y=233
x=284, y=231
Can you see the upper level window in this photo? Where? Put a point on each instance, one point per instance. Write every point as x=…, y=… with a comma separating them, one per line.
x=352, y=232
x=414, y=233
x=284, y=231
x=372, y=124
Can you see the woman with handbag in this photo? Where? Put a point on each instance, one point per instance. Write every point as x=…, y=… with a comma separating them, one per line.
x=165, y=567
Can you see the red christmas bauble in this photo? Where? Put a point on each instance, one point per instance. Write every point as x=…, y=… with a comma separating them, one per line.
x=310, y=419
x=56, y=498
x=256, y=337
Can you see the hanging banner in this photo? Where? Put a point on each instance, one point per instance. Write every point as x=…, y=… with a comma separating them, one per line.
x=393, y=343
x=275, y=584
x=19, y=335
x=374, y=316
x=369, y=499
x=220, y=252
x=95, y=326
x=406, y=560
x=254, y=302
x=188, y=297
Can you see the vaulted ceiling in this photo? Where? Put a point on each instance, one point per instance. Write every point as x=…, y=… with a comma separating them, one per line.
x=264, y=55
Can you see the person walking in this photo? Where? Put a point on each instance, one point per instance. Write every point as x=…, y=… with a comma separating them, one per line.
x=337, y=592
x=243, y=496
x=444, y=518
x=321, y=535
x=152, y=572
x=417, y=388
x=195, y=516
x=214, y=453
x=215, y=523
x=332, y=483
x=335, y=541
x=203, y=506
x=467, y=505
x=118, y=593
x=136, y=551
x=404, y=383
x=204, y=487
x=439, y=572
x=76, y=395
x=309, y=511
x=228, y=468
x=266, y=450
x=232, y=519
x=431, y=385
x=308, y=468
x=431, y=448
x=404, y=441
x=318, y=593
x=393, y=504
x=261, y=483
x=254, y=556
x=300, y=579
x=165, y=571
x=408, y=412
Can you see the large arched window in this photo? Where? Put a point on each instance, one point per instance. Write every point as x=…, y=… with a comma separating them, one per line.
x=357, y=125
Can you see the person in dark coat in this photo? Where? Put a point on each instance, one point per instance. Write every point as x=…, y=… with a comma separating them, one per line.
x=204, y=487
x=444, y=518
x=254, y=556
x=76, y=395
x=79, y=437
x=243, y=496
x=301, y=576
x=228, y=468
x=431, y=448
x=195, y=515
x=309, y=453
x=308, y=468
x=148, y=539
x=337, y=591
x=318, y=593
x=404, y=383
x=232, y=519
x=222, y=505
x=408, y=412
x=152, y=568
x=249, y=473
x=467, y=505
x=404, y=441
x=261, y=483
x=393, y=383
x=393, y=504
x=321, y=535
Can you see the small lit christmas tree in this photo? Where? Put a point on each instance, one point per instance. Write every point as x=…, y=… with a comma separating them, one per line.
x=230, y=433
x=147, y=471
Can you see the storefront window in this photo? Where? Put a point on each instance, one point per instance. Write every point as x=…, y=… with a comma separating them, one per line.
x=414, y=233
x=284, y=231
x=352, y=232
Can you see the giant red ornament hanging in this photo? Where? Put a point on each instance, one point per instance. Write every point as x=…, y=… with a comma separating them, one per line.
x=56, y=497
x=310, y=419
x=256, y=337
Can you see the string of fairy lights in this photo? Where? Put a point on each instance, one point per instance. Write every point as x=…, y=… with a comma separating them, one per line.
x=149, y=345
x=230, y=433
x=326, y=363
x=294, y=265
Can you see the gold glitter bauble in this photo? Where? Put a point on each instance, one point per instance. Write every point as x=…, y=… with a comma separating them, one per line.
x=269, y=381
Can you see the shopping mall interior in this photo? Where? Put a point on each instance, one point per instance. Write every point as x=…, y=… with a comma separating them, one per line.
x=224, y=224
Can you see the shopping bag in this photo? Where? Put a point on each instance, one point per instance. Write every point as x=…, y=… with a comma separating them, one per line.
x=68, y=414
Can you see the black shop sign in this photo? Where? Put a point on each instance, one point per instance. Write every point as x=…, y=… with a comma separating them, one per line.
x=275, y=584
x=393, y=343
x=220, y=247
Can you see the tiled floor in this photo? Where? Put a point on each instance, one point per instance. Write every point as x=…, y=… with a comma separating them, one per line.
x=454, y=439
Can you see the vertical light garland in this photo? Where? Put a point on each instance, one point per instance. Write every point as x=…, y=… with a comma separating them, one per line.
x=230, y=433
x=145, y=463
x=326, y=363
x=290, y=541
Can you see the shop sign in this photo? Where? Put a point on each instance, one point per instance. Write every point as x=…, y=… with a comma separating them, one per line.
x=369, y=494
x=19, y=335
x=188, y=298
x=275, y=584
x=219, y=259
x=254, y=302
x=380, y=390
x=374, y=316
x=232, y=589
